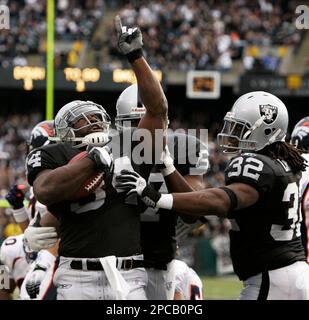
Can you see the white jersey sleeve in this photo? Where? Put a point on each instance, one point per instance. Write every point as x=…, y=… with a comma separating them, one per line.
x=12, y=255
x=188, y=283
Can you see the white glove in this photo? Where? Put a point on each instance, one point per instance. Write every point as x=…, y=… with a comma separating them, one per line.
x=130, y=40
x=102, y=157
x=131, y=181
x=34, y=281
x=38, y=238
x=168, y=162
x=44, y=261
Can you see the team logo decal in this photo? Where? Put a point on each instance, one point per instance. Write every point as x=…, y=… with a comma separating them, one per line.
x=270, y=112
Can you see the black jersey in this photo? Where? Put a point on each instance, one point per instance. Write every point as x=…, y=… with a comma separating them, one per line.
x=99, y=225
x=158, y=237
x=265, y=236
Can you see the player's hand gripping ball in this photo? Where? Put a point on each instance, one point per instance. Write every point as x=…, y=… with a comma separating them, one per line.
x=91, y=184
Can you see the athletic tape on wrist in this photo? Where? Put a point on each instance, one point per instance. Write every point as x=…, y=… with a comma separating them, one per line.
x=167, y=171
x=165, y=202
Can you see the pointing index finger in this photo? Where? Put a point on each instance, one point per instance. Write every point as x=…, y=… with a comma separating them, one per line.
x=118, y=24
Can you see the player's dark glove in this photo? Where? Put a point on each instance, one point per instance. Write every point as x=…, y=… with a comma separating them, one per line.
x=102, y=157
x=34, y=282
x=16, y=197
x=130, y=40
x=132, y=182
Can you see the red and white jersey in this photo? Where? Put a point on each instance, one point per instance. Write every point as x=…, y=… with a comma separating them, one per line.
x=304, y=185
x=13, y=256
x=187, y=282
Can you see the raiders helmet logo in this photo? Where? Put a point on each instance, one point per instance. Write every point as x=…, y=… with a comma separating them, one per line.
x=269, y=112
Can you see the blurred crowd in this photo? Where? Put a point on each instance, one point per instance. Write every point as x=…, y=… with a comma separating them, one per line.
x=178, y=35
x=14, y=132
x=196, y=35
x=74, y=20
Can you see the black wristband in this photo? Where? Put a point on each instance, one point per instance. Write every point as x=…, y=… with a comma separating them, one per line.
x=132, y=56
x=232, y=196
x=150, y=196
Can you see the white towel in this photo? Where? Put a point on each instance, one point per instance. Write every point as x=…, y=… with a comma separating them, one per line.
x=114, y=277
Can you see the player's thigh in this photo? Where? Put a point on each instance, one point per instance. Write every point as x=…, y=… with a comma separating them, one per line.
x=77, y=284
x=254, y=288
x=287, y=283
x=156, y=289
x=290, y=282
x=137, y=280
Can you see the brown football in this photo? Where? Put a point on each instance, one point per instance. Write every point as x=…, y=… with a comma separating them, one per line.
x=91, y=184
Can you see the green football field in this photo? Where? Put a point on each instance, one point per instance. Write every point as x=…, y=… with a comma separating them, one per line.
x=221, y=288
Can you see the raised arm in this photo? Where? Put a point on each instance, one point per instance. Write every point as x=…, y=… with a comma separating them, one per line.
x=130, y=44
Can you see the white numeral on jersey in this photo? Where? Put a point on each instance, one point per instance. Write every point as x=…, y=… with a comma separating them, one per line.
x=250, y=169
x=236, y=164
x=253, y=165
x=293, y=213
x=35, y=159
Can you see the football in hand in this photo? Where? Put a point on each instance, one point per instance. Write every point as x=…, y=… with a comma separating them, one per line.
x=91, y=184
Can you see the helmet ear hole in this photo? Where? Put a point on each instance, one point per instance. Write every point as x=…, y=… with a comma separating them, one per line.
x=268, y=131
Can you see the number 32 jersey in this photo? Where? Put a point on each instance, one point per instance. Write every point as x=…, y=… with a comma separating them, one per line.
x=266, y=235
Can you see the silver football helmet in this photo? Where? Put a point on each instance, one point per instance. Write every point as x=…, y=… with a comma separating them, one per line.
x=73, y=111
x=129, y=108
x=257, y=119
x=300, y=134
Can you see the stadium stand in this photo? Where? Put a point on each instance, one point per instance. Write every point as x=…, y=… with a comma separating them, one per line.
x=74, y=24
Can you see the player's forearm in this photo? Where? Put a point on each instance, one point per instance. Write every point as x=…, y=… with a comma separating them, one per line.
x=202, y=203
x=61, y=183
x=150, y=89
x=175, y=182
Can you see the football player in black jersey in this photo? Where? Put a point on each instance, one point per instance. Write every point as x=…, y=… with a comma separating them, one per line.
x=158, y=239
x=98, y=232
x=261, y=198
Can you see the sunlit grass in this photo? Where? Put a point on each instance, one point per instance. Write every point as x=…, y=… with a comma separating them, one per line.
x=225, y=288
